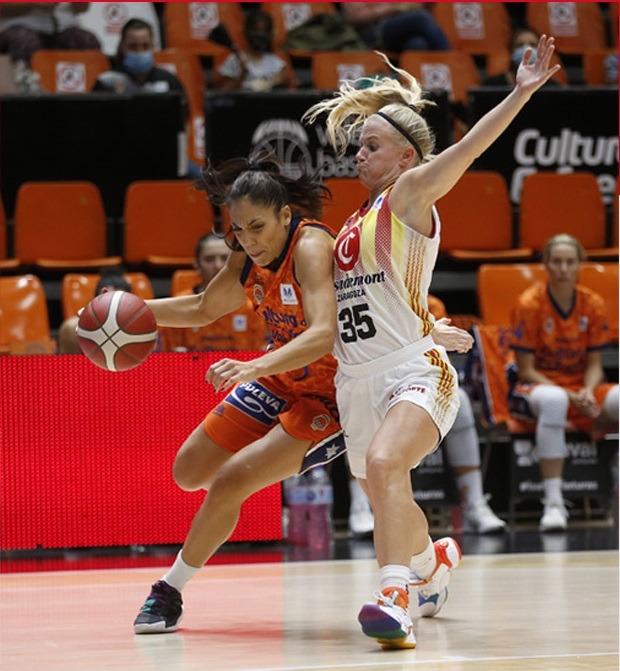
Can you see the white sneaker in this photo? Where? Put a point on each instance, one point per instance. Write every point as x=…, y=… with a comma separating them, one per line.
x=555, y=517
x=478, y=518
x=433, y=592
x=388, y=620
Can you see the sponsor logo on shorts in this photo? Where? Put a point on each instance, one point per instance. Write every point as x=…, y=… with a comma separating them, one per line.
x=320, y=422
x=416, y=389
x=257, y=402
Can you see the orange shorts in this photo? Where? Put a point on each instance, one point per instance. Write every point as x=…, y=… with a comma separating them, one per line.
x=521, y=410
x=252, y=409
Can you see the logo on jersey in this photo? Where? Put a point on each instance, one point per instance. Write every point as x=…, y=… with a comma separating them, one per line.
x=320, y=422
x=240, y=323
x=583, y=324
x=257, y=402
x=347, y=249
x=288, y=295
x=548, y=325
x=259, y=293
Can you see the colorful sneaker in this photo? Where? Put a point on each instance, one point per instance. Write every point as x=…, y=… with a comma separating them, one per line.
x=433, y=592
x=161, y=612
x=388, y=621
x=478, y=518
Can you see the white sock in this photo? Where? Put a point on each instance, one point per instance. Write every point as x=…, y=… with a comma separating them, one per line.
x=180, y=573
x=470, y=487
x=423, y=564
x=553, y=490
x=394, y=575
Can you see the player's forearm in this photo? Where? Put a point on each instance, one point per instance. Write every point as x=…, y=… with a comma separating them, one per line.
x=182, y=311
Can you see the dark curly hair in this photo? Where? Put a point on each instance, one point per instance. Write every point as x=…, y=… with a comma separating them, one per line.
x=261, y=179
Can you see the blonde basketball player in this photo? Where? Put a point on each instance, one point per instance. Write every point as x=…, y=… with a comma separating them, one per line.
x=396, y=389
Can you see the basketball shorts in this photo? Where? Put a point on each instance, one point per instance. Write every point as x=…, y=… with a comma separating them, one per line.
x=252, y=409
x=420, y=373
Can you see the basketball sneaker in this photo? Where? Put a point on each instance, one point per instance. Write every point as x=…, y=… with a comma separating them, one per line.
x=161, y=612
x=388, y=620
x=433, y=591
x=555, y=517
x=478, y=518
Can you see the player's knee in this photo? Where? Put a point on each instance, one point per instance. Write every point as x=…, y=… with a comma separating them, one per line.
x=186, y=476
x=610, y=404
x=552, y=403
x=465, y=416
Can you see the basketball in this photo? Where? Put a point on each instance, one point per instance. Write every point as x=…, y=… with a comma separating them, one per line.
x=117, y=331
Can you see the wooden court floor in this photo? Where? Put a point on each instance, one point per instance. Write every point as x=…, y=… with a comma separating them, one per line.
x=520, y=612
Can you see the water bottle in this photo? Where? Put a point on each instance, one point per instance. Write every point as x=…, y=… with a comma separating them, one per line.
x=296, y=495
x=320, y=500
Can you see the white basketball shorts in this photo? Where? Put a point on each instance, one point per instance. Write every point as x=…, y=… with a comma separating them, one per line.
x=420, y=373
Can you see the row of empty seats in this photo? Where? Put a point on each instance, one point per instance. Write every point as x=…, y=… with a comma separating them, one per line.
x=25, y=328
x=63, y=225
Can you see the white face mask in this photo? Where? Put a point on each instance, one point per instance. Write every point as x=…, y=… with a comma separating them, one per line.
x=517, y=54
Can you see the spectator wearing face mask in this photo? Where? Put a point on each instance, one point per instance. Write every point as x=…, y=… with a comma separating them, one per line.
x=256, y=68
x=522, y=38
x=133, y=69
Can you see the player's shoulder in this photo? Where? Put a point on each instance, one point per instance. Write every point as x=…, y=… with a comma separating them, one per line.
x=589, y=296
x=533, y=296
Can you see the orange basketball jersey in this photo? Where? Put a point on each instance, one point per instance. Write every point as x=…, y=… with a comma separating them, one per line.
x=242, y=329
x=275, y=292
x=560, y=341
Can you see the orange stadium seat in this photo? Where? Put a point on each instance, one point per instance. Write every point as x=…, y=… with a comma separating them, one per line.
x=476, y=220
x=498, y=61
x=474, y=27
x=187, y=25
x=554, y=203
x=163, y=221
x=347, y=195
x=289, y=15
x=593, y=66
x=451, y=71
x=79, y=288
x=330, y=68
x=603, y=278
x=24, y=320
x=69, y=71
x=61, y=225
x=499, y=285
x=184, y=280
x=186, y=66
x=5, y=262
x=576, y=26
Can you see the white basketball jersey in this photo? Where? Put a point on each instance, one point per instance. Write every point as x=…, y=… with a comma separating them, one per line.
x=382, y=273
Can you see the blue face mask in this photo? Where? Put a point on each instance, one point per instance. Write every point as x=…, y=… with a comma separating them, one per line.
x=517, y=55
x=138, y=62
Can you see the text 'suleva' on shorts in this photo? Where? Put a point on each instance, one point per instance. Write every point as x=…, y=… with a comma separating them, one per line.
x=252, y=409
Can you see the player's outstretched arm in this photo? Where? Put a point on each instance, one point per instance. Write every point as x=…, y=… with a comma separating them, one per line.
x=431, y=181
x=223, y=295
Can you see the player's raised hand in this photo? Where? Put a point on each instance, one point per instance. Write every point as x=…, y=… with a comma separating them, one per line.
x=531, y=75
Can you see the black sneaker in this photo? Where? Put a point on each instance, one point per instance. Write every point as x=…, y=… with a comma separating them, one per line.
x=161, y=612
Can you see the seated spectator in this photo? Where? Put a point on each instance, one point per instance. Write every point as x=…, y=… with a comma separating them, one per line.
x=133, y=68
x=522, y=38
x=559, y=330
x=239, y=330
x=26, y=27
x=396, y=26
x=256, y=68
x=462, y=452
x=110, y=280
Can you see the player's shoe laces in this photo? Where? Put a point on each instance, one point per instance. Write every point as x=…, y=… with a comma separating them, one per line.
x=555, y=517
x=388, y=620
x=478, y=518
x=161, y=612
x=433, y=592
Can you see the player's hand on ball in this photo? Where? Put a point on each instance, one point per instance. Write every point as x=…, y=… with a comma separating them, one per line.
x=228, y=372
